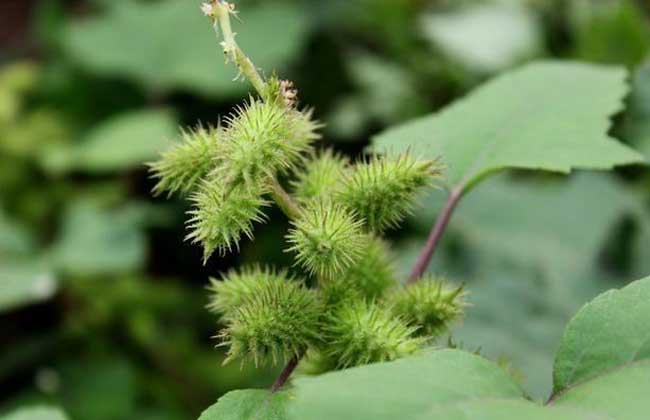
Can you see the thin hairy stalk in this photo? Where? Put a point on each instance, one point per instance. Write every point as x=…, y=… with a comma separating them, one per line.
x=220, y=12
x=284, y=200
x=435, y=235
x=285, y=374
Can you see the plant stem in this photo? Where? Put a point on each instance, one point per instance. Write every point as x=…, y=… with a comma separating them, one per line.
x=219, y=11
x=436, y=233
x=284, y=200
x=221, y=15
x=285, y=374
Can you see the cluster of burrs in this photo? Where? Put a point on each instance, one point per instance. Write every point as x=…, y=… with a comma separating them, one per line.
x=354, y=311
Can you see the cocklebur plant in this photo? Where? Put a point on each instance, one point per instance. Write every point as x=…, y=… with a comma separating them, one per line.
x=354, y=311
x=346, y=308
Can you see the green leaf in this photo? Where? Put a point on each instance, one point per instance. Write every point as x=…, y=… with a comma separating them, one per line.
x=125, y=141
x=99, y=389
x=170, y=44
x=406, y=388
x=608, y=332
x=621, y=394
x=550, y=116
x=25, y=283
x=485, y=37
x=528, y=260
x=248, y=404
x=36, y=413
x=98, y=241
x=493, y=409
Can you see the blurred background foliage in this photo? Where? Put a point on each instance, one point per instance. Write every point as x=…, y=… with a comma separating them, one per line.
x=101, y=300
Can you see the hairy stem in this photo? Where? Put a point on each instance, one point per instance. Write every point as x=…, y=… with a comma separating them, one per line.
x=221, y=11
x=436, y=234
x=284, y=200
x=285, y=374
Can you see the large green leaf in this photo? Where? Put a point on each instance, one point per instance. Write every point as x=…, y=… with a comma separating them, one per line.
x=622, y=394
x=170, y=44
x=529, y=250
x=550, y=116
x=125, y=141
x=496, y=409
x=36, y=413
x=248, y=404
x=406, y=388
x=98, y=241
x=609, y=332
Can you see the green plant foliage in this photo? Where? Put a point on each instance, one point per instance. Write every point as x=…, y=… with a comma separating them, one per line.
x=248, y=404
x=385, y=92
x=321, y=176
x=620, y=394
x=327, y=239
x=124, y=141
x=485, y=37
x=95, y=240
x=637, y=119
x=222, y=215
x=15, y=80
x=610, y=31
x=431, y=305
x=406, y=388
x=90, y=388
x=359, y=333
x=605, y=334
x=383, y=190
x=14, y=238
x=25, y=283
x=276, y=323
x=516, y=246
x=134, y=40
x=453, y=384
x=36, y=413
x=28, y=132
x=181, y=167
x=514, y=124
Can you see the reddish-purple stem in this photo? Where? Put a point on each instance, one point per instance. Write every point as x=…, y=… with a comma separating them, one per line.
x=285, y=374
x=434, y=237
